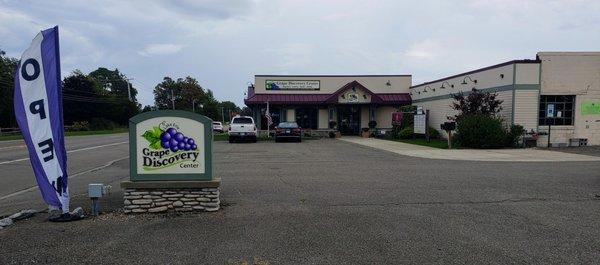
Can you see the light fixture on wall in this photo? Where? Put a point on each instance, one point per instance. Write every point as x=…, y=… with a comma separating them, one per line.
x=446, y=82
x=388, y=83
x=432, y=89
x=464, y=82
x=501, y=76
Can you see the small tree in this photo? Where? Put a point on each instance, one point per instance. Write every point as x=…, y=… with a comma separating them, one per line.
x=477, y=102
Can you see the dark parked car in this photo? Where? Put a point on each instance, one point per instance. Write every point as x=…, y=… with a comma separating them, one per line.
x=288, y=131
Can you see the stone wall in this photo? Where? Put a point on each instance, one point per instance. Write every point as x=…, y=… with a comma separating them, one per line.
x=171, y=200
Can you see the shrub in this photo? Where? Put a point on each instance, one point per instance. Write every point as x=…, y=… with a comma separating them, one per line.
x=396, y=128
x=514, y=134
x=433, y=133
x=406, y=133
x=408, y=116
x=102, y=124
x=480, y=131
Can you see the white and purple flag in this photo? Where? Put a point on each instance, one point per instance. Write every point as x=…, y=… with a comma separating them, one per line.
x=38, y=108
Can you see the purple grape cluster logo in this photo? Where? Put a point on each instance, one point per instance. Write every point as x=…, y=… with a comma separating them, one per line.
x=169, y=139
x=169, y=147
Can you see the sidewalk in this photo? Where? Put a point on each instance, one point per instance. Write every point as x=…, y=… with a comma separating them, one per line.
x=507, y=155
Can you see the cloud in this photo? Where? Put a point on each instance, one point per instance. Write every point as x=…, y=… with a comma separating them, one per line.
x=425, y=49
x=160, y=49
x=224, y=43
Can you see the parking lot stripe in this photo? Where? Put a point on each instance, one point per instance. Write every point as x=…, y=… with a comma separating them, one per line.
x=68, y=152
x=32, y=188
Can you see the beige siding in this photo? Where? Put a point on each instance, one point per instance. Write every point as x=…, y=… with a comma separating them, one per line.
x=485, y=79
x=527, y=73
x=323, y=119
x=383, y=116
x=364, y=117
x=291, y=115
x=506, y=112
x=330, y=84
x=526, y=109
x=439, y=110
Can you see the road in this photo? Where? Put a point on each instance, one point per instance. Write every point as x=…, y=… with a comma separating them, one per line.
x=334, y=202
x=85, y=153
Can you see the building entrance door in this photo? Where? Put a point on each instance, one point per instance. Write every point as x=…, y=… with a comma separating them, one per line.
x=349, y=120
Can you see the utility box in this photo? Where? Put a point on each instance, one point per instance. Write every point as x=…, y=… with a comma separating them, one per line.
x=95, y=190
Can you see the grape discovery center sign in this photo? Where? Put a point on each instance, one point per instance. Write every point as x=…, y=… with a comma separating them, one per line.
x=170, y=145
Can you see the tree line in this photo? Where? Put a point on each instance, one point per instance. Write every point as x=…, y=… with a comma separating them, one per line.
x=105, y=98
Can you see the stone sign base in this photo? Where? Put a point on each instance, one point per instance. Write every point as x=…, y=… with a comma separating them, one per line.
x=171, y=196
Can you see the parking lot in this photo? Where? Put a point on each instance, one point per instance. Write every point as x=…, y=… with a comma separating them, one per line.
x=331, y=201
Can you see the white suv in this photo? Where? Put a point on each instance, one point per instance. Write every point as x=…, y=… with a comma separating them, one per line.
x=242, y=128
x=217, y=126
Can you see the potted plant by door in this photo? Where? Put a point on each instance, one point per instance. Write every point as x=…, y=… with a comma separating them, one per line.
x=334, y=133
x=372, y=125
x=365, y=132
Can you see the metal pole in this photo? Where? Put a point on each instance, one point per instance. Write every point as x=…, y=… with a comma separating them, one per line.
x=129, y=90
x=172, y=98
x=268, y=127
x=549, y=129
x=222, y=116
x=427, y=126
x=194, y=105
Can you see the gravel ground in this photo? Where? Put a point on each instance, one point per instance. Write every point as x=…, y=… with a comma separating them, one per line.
x=333, y=202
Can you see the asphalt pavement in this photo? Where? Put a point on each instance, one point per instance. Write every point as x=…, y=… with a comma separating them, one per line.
x=333, y=202
x=84, y=153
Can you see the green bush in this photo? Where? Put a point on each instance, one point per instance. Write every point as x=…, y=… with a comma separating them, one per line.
x=433, y=133
x=481, y=131
x=406, y=133
x=98, y=124
x=514, y=134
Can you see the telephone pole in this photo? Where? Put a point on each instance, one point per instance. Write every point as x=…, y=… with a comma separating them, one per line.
x=173, y=99
x=222, y=116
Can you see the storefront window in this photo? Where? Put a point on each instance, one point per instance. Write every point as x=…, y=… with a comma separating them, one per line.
x=307, y=118
x=556, y=110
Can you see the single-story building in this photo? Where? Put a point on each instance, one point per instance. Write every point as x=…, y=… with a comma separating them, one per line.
x=351, y=101
x=557, y=90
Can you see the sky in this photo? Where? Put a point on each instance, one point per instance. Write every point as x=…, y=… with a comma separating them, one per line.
x=224, y=43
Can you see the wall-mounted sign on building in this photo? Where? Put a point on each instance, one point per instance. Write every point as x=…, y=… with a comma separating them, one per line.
x=170, y=145
x=550, y=111
x=590, y=108
x=292, y=84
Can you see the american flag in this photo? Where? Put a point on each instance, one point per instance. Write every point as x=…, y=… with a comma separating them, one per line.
x=268, y=116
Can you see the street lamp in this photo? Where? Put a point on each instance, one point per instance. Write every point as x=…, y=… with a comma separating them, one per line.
x=446, y=82
x=464, y=82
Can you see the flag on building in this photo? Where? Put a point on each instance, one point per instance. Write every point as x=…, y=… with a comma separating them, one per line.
x=38, y=109
x=268, y=116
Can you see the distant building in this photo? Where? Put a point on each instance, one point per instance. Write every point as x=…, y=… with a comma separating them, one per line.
x=315, y=101
x=560, y=90
x=557, y=89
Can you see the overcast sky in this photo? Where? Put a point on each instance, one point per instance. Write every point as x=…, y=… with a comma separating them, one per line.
x=224, y=43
